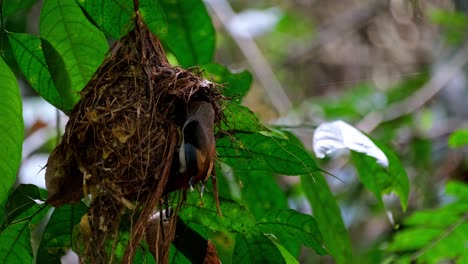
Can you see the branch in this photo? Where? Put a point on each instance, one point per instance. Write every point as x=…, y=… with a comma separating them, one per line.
x=439, y=80
x=260, y=67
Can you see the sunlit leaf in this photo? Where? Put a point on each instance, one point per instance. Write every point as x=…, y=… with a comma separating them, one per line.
x=235, y=85
x=459, y=138
x=432, y=236
x=58, y=234
x=30, y=57
x=11, y=130
x=328, y=216
x=112, y=16
x=191, y=35
x=288, y=258
x=239, y=118
x=81, y=46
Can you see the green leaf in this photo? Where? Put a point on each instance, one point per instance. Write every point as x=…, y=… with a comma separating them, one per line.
x=256, y=152
x=328, y=217
x=191, y=35
x=81, y=46
x=459, y=138
x=12, y=6
x=236, y=217
x=58, y=235
x=30, y=57
x=380, y=180
x=431, y=236
x=235, y=85
x=261, y=186
x=154, y=17
x=112, y=16
x=20, y=200
x=292, y=227
x=15, y=239
x=11, y=130
x=239, y=118
x=256, y=248
x=286, y=255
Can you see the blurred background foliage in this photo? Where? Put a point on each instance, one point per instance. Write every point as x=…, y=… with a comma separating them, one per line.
x=395, y=69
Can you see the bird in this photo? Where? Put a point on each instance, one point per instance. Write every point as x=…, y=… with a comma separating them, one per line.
x=198, y=148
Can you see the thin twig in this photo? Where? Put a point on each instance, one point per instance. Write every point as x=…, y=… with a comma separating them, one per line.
x=260, y=66
x=439, y=80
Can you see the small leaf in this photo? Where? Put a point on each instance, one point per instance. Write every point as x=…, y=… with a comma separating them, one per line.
x=286, y=255
x=290, y=226
x=256, y=248
x=459, y=138
x=23, y=198
x=328, y=217
x=81, y=46
x=380, y=180
x=235, y=85
x=236, y=217
x=58, y=234
x=11, y=130
x=329, y=137
x=191, y=35
x=111, y=16
x=239, y=118
x=30, y=57
x=256, y=152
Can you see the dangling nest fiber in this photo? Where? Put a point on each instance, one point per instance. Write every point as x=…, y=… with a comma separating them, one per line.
x=120, y=140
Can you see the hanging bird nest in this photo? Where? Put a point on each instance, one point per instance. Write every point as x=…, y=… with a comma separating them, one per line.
x=120, y=141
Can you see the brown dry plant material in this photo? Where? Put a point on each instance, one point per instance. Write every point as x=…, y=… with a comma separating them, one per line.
x=120, y=141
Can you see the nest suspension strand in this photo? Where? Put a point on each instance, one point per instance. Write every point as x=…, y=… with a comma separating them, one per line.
x=120, y=141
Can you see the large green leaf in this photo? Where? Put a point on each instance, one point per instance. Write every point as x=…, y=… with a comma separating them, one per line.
x=380, y=180
x=328, y=216
x=236, y=217
x=154, y=17
x=58, y=235
x=81, y=46
x=30, y=57
x=111, y=16
x=235, y=85
x=431, y=236
x=292, y=227
x=257, y=152
x=256, y=248
x=261, y=193
x=191, y=35
x=11, y=130
x=15, y=239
